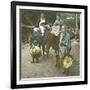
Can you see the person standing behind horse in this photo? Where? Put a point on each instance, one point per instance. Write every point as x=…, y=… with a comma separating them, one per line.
x=64, y=43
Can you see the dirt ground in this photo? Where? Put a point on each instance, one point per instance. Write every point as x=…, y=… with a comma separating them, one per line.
x=46, y=66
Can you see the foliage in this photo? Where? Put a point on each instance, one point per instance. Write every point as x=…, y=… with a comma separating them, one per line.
x=31, y=17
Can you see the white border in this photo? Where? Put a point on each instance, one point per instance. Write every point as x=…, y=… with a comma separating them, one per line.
x=52, y=79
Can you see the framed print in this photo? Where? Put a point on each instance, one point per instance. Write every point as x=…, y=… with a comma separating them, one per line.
x=48, y=44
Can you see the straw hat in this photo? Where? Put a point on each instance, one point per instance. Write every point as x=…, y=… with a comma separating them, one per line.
x=67, y=62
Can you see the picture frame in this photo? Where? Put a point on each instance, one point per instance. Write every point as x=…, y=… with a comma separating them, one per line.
x=16, y=56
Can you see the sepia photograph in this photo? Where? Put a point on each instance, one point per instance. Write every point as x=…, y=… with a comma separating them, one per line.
x=50, y=43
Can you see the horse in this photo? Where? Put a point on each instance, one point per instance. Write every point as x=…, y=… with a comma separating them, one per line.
x=48, y=40
x=51, y=39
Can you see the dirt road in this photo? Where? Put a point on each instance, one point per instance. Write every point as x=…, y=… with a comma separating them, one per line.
x=46, y=66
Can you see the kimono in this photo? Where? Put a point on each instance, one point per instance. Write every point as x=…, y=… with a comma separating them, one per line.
x=36, y=39
x=65, y=43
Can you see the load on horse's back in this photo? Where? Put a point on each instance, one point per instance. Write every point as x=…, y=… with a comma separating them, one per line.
x=56, y=28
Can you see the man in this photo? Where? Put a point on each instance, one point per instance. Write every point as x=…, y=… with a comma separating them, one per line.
x=42, y=24
x=64, y=43
x=57, y=21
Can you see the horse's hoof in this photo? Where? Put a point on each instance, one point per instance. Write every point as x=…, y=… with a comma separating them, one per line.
x=55, y=65
x=37, y=61
x=45, y=53
x=32, y=61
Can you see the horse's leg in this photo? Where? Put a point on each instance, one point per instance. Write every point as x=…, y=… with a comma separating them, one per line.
x=37, y=60
x=43, y=48
x=57, y=61
x=32, y=60
x=47, y=49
